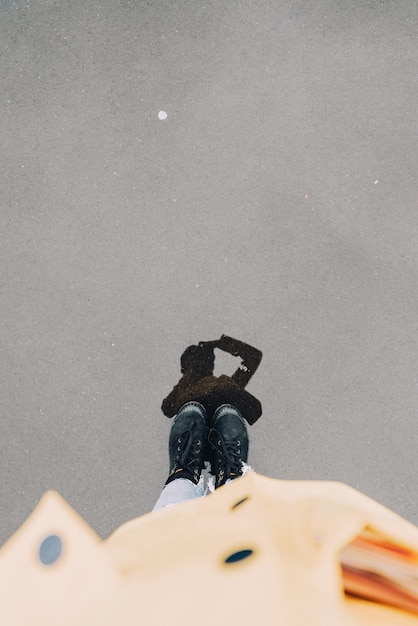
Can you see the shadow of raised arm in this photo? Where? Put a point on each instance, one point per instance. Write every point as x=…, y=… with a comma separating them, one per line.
x=249, y=355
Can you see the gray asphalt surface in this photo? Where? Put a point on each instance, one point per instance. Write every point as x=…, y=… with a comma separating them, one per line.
x=277, y=203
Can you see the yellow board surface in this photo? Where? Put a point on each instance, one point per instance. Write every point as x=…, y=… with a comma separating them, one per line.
x=257, y=551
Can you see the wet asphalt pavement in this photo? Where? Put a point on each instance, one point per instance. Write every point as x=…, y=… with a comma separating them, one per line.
x=172, y=171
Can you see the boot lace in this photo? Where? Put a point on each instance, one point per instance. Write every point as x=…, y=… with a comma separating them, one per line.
x=228, y=451
x=188, y=451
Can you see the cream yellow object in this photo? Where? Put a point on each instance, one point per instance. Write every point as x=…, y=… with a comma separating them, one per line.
x=283, y=539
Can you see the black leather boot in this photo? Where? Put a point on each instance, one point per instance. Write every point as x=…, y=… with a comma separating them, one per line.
x=187, y=443
x=229, y=442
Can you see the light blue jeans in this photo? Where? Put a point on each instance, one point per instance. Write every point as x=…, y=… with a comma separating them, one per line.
x=179, y=490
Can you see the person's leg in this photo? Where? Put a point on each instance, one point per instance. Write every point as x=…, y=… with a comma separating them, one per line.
x=177, y=491
x=186, y=449
x=229, y=441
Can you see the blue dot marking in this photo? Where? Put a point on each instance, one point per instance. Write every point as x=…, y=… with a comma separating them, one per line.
x=238, y=556
x=50, y=550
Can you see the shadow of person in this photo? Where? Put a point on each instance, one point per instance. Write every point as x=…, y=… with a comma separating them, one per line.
x=199, y=384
